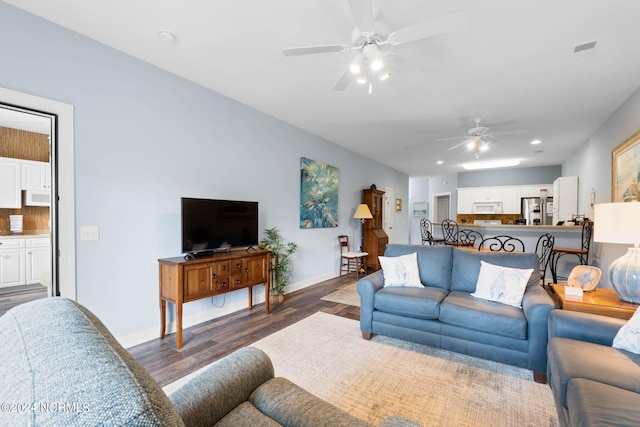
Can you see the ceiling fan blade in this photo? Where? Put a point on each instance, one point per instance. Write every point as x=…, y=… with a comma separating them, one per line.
x=344, y=81
x=458, y=145
x=445, y=24
x=362, y=11
x=451, y=139
x=306, y=50
x=509, y=132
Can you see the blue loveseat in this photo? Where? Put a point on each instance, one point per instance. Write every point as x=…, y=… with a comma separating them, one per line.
x=593, y=383
x=445, y=315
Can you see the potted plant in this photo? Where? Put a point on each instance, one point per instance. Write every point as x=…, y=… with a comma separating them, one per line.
x=280, y=268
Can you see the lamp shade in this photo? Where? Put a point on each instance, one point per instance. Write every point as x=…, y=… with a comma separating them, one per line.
x=617, y=223
x=362, y=212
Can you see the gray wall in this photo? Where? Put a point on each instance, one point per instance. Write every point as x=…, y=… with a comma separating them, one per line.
x=143, y=139
x=512, y=176
x=592, y=164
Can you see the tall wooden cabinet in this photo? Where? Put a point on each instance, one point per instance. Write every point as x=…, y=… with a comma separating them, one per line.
x=375, y=239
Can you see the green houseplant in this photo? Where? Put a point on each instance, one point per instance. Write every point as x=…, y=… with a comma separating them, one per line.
x=280, y=252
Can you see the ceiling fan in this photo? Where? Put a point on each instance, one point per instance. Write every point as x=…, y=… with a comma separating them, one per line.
x=478, y=138
x=371, y=42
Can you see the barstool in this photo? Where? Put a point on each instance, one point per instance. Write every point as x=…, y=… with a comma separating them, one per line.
x=582, y=253
x=426, y=229
x=544, y=249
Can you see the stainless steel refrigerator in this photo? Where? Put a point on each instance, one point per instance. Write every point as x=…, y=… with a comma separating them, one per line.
x=537, y=211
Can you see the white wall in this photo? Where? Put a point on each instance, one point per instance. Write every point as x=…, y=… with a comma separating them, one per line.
x=592, y=164
x=143, y=139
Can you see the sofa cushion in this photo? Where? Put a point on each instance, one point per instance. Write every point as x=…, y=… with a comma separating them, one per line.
x=401, y=271
x=434, y=262
x=592, y=403
x=628, y=337
x=94, y=377
x=246, y=414
x=421, y=303
x=462, y=309
x=570, y=359
x=505, y=285
x=466, y=266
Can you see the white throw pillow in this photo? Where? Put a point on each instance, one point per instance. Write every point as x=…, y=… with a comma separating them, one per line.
x=505, y=285
x=628, y=337
x=401, y=271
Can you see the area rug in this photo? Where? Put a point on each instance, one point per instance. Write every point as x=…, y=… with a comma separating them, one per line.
x=326, y=355
x=347, y=294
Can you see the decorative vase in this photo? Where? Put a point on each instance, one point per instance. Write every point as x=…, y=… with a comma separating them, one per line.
x=276, y=299
x=624, y=276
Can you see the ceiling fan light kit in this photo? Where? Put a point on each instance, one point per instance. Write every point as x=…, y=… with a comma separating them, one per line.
x=372, y=39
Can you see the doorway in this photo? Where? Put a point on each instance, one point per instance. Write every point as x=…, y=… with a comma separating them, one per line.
x=58, y=121
x=27, y=267
x=442, y=206
x=387, y=217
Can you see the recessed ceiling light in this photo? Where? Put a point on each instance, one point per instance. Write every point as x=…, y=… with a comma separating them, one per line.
x=536, y=142
x=491, y=164
x=439, y=162
x=166, y=36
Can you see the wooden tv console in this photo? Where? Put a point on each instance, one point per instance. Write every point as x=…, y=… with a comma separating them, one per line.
x=183, y=280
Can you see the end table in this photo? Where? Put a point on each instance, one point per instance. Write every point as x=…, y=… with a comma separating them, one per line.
x=600, y=301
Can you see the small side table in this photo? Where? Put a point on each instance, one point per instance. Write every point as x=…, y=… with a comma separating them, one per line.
x=600, y=301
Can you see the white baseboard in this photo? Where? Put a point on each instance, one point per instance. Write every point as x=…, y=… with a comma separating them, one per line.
x=206, y=315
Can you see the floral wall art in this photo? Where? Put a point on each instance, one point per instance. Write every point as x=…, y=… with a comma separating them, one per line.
x=318, y=194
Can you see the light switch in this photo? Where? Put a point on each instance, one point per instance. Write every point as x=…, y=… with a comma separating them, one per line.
x=89, y=232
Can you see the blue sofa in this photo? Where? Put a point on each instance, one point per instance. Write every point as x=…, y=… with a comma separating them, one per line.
x=445, y=315
x=593, y=384
x=60, y=366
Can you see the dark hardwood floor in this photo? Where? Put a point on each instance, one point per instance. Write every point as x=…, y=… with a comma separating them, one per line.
x=207, y=342
x=8, y=301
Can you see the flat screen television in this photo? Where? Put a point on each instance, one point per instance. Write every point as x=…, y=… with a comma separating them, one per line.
x=210, y=225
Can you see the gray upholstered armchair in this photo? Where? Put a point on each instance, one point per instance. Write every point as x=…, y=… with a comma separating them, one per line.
x=56, y=352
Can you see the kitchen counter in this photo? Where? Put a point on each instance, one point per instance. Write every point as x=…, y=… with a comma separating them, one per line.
x=536, y=228
x=5, y=234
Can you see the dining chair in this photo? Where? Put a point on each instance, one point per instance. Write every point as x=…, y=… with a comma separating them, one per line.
x=544, y=249
x=502, y=243
x=450, y=232
x=467, y=237
x=582, y=252
x=426, y=230
x=350, y=261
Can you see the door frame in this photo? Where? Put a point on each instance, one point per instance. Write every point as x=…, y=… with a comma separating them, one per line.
x=388, y=211
x=63, y=198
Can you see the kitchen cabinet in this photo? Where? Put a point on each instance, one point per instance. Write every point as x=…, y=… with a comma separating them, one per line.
x=565, y=199
x=10, y=194
x=37, y=259
x=488, y=194
x=465, y=201
x=12, y=262
x=534, y=190
x=511, y=200
x=35, y=176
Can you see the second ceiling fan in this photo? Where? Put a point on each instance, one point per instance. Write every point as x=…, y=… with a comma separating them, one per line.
x=372, y=40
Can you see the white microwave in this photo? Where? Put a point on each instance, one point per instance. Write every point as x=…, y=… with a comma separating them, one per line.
x=37, y=198
x=487, y=208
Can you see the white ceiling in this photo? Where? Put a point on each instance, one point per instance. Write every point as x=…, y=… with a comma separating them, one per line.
x=512, y=65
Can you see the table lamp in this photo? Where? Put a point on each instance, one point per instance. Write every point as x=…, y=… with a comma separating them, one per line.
x=619, y=223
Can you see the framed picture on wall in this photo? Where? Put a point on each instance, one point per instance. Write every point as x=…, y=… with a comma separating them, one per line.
x=420, y=209
x=625, y=170
x=398, y=204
